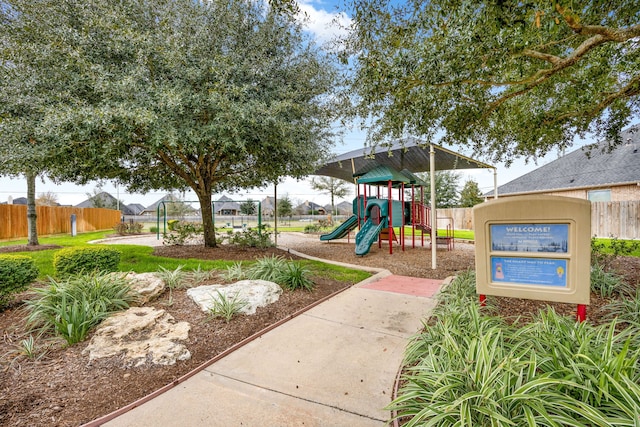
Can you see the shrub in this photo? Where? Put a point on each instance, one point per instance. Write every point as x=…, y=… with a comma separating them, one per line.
x=312, y=228
x=181, y=232
x=72, y=307
x=171, y=224
x=153, y=229
x=16, y=273
x=603, y=253
x=257, y=237
x=124, y=228
x=294, y=276
x=85, y=260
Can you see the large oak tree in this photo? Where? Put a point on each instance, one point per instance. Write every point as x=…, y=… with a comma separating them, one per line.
x=172, y=94
x=507, y=78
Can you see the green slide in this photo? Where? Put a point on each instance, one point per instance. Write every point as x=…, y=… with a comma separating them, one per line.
x=367, y=235
x=342, y=229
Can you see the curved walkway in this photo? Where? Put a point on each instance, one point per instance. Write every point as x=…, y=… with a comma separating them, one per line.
x=335, y=365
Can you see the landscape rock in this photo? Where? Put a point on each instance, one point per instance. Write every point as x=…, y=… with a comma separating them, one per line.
x=256, y=293
x=147, y=285
x=140, y=335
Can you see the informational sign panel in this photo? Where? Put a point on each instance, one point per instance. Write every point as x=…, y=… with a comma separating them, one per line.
x=535, y=247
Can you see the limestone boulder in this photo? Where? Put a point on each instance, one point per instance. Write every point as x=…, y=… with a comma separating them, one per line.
x=256, y=293
x=147, y=285
x=140, y=335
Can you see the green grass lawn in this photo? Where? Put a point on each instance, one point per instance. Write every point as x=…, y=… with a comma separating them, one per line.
x=140, y=259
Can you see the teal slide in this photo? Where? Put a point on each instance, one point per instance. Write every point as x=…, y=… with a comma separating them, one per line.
x=342, y=229
x=367, y=235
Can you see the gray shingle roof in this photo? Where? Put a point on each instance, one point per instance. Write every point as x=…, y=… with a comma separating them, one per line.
x=584, y=169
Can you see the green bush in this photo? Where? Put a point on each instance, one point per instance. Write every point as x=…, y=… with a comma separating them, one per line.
x=312, y=228
x=171, y=224
x=72, y=307
x=257, y=237
x=181, y=232
x=153, y=229
x=16, y=273
x=85, y=260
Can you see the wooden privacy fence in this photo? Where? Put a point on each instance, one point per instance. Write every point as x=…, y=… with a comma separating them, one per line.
x=618, y=219
x=54, y=220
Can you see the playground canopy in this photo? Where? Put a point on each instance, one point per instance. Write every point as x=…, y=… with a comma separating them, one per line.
x=409, y=155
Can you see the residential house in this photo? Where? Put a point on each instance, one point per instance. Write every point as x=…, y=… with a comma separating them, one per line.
x=225, y=206
x=310, y=208
x=596, y=174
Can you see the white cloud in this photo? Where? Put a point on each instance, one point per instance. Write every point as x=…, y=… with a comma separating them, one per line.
x=324, y=25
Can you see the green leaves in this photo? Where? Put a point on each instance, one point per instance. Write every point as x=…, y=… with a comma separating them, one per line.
x=469, y=368
x=505, y=79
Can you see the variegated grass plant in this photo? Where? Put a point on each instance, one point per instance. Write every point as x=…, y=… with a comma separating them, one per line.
x=226, y=306
x=468, y=368
x=73, y=306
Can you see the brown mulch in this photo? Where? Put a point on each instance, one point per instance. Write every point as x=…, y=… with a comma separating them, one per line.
x=26, y=248
x=62, y=389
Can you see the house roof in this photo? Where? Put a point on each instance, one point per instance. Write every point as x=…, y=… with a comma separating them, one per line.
x=410, y=153
x=136, y=208
x=584, y=168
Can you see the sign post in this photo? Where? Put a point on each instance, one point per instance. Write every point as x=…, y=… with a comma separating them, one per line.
x=534, y=247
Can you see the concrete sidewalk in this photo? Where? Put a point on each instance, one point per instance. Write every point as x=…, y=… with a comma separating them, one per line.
x=334, y=365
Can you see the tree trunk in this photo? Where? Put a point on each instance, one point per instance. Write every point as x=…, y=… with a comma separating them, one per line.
x=32, y=216
x=333, y=206
x=207, y=219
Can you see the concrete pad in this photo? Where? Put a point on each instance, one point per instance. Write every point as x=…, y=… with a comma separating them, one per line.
x=211, y=400
x=389, y=313
x=350, y=369
x=415, y=286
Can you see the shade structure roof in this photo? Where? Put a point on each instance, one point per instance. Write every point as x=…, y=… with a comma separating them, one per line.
x=409, y=154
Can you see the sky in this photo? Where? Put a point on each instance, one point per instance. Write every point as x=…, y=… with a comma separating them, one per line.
x=323, y=15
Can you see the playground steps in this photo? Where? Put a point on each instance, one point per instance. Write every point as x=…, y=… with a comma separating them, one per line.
x=384, y=234
x=424, y=228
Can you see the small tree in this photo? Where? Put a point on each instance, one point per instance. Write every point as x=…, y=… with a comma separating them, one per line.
x=470, y=194
x=101, y=199
x=47, y=199
x=446, y=188
x=248, y=207
x=333, y=186
x=285, y=208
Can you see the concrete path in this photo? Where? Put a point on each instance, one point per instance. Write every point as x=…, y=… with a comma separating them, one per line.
x=334, y=365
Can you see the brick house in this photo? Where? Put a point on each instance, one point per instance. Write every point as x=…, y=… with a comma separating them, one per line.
x=596, y=175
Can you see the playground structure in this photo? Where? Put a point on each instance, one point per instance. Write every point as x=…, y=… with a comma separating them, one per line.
x=376, y=216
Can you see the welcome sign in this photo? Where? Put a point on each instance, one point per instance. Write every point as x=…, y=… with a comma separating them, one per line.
x=534, y=247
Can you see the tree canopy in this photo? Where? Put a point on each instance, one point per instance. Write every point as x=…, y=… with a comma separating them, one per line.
x=446, y=188
x=334, y=186
x=215, y=96
x=508, y=78
x=470, y=195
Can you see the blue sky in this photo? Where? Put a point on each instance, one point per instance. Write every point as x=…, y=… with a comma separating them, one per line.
x=322, y=15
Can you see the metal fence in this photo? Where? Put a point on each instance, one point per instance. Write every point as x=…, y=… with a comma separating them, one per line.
x=54, y=220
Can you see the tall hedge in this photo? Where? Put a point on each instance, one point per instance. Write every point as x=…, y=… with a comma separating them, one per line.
x=16, y=273
x=85, y=260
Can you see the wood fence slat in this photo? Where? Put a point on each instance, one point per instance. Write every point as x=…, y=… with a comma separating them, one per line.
x=54, y=220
